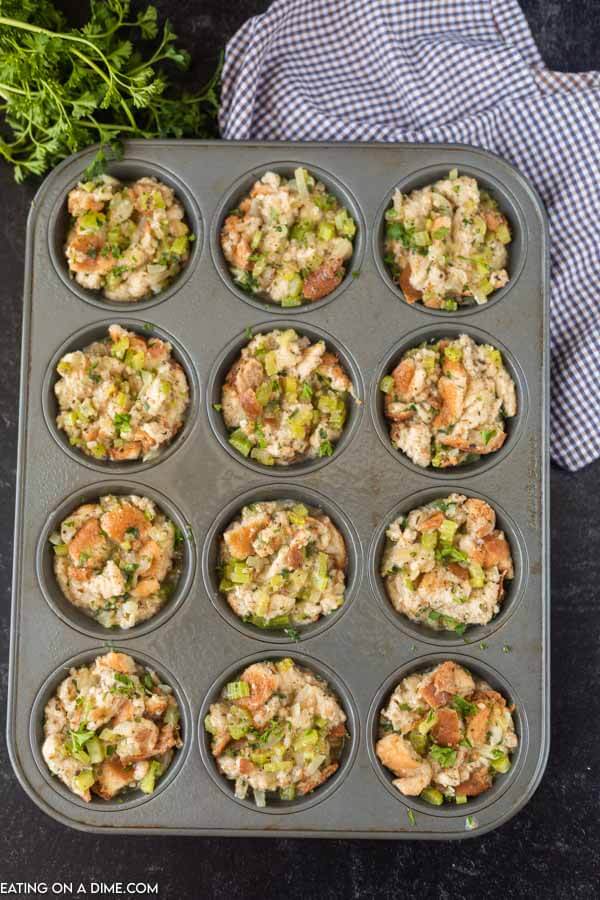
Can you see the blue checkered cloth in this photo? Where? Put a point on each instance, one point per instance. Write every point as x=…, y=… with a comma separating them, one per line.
x=464, y=71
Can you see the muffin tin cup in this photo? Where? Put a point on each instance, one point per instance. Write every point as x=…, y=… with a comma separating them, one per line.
x=127, y=170
x=230, y=354
x=131, y=799
x=322, y=793
x=95, y=332
x=514, y=588
x=236, y=194
x=501, y=782
x=514, y=426
x=71, y=614
x=507, y=203
x=201, y=483
x=313, y=500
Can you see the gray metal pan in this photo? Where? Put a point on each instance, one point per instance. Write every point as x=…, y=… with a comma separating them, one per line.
x=195, y=643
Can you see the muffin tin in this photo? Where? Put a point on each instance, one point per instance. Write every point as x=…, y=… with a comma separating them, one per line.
x=195, y=642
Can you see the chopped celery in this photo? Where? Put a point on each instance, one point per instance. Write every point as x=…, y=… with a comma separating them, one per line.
x=240, y=722
x=301, y=229
x=440, y=233
x=94, y=750
x=238, y=572
x=453, y=174
x=120, y=347
x=171, y=716
x=297, y=514
x=84, y=780
x=428, y=722
x=271, y=364
x=283, y=665
x=453, y=353
x=180, y=245
x=386, y=384
x=240, y=441
x=303, y=180
x=450, y=305
x=345, y=224
x=501, y=764
x=61, y=549
x=419, y=742
x=326, y=231
x=264, y=393
x=306, y=739
x=288, y=793
x=460, y=798
x=476, y=575
x=262, y=456
x=235, y=690
x=494, y=356
x=291, y=301
x=448, y=529
x=290, y=387
x=209, y=725
x=503, y=234
x=91, y=221
x=429, y=540
x=148, y=782
x=256, y=239
x=429, y=360
x=433, y=796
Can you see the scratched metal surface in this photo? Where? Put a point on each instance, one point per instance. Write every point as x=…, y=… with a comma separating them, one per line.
x=365, y=649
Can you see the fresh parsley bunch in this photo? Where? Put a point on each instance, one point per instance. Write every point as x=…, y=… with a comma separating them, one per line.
x=62, y=88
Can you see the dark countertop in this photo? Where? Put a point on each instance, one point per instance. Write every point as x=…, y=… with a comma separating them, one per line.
x=552, y=846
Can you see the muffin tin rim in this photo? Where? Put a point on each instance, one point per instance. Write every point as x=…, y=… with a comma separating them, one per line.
x=138, y=326
x=171, y=606
x=516, y=424
x=96, y=298
x=515, y=591
x=216, y=378
x=342, y=192
x=411, y=182
x=338, y=687
x=48, y=689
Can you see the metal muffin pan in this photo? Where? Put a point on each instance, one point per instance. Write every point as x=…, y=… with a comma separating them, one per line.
x=365, y=647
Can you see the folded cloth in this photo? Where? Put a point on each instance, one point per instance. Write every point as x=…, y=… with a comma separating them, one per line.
x=465, y=71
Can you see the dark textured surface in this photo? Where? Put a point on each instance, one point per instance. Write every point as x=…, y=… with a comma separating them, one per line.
x=551, y=847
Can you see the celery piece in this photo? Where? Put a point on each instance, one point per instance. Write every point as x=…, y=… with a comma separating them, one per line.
x=171, y=716
x=135, y=359
x=476, y=575
x=449, y=304
x=429, y=540
x=148, y=782
x=429, y=360
x=306, y=739
x=345, y=224
x=271, y=365
x=421, y=239
x=262, y=456
x=302, y=181
x=237, y=572
x=234, y=690
x=180, y=245
x=91, y=221
x=428, y=722
x=84, y=780
x=94, y=750
x=264, y=393
x=291, y=301
x=288, y=793
x=326, y=231
x=61, y=549
x=494, y=355
x=386, y=384
x=297, y=514
x=453, y=353
x=301, y=229
x=503, y=234
x=433, y=796
x=209, y=725
x=502, y=764
x=239, y=721
x=290, y=387
x=460, y=798
x=419, y=742
x=120, y=347
x=240, y=441
x=283, y=665
x=448, y=529
x=440, y=233
x=256, y=239
x=453, y=174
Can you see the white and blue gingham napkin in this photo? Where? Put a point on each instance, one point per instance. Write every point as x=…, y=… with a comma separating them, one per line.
x=465, y=71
